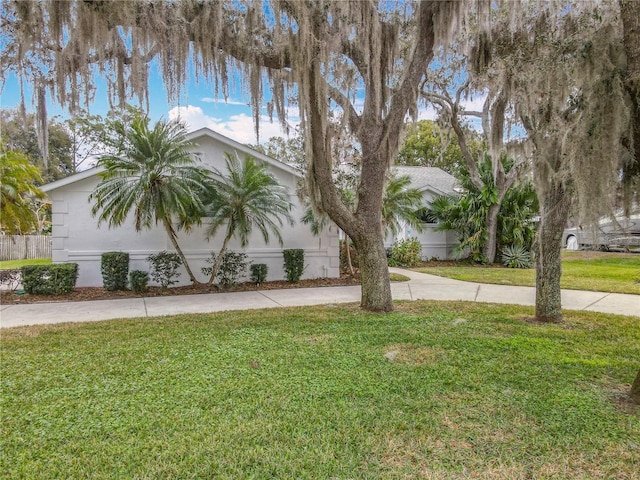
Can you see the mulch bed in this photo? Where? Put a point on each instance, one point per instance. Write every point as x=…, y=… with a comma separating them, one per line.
x=97, y=293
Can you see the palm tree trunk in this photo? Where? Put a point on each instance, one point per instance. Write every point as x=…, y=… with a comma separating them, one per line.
x=491, y=225
x=349, y=263
x=216, y=265
x=172, y=236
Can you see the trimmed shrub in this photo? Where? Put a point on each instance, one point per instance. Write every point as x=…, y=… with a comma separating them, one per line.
x=405, y=253
x=115, y=269
x=49, y=279
x=516, y=256
x=139, y=280
x=232, y=267
x=293, y=264
x=259, y=273
x=164, y=267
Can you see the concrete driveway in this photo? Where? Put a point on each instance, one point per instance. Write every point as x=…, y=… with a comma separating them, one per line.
x=421, y=286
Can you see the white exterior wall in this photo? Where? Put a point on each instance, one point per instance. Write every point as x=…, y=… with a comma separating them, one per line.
x=435, y=244
x=77, y=238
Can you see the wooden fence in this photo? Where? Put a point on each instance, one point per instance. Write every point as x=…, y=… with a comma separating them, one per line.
x=19, y=247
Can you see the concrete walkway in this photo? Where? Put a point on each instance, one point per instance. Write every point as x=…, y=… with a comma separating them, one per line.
x=420, y=287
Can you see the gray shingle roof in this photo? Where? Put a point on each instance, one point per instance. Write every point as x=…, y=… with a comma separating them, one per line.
x=428, y=178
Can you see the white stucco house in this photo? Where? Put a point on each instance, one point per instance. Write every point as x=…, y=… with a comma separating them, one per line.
x=432, y=182
x=77, y=237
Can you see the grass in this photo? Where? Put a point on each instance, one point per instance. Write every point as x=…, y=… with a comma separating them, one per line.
x=471, y=391
x=397, y=277
x=15, y=264
x=596, y=271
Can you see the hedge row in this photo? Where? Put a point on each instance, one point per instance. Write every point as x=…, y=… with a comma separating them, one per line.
x=49, y=279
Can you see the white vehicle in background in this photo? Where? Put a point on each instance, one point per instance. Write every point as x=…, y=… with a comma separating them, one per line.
x=613, y=231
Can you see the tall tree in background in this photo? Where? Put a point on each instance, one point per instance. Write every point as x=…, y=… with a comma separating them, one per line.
x=499, y=151
x=318, y=53
x=19, y=134
x=630, y=12
x=428, y=144
x=152, y=179
x=87, y=136
x=289, y=150
x=562, y=70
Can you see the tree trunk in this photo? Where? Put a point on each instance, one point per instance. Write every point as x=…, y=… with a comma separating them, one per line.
x=630, y=13
x=491, y=225
x=216, y=265
x=554, y=213
x=172, y=236
x=630, y=10
x=374, y=272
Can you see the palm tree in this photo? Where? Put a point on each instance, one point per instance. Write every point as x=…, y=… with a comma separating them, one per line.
x=247, y=196
x=466, y=213
x=401, y=202
x=152, y=175
x=18, y=191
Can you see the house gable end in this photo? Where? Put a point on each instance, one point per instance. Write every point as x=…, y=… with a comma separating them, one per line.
x=228, y=145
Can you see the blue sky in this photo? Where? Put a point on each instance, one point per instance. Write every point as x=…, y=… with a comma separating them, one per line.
x=197, y=106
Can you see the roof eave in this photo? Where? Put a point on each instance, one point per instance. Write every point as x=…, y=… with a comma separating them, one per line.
x=63, y=182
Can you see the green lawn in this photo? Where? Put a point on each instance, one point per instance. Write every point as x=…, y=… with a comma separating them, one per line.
x=603, y=272
x=15, y=264
x=473, y=391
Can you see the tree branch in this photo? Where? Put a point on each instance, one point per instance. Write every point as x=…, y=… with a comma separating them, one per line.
x=407, y=93
x=355, y=121
x=453, y=107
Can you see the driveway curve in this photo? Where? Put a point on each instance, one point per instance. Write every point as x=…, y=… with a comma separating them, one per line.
x=421, y=286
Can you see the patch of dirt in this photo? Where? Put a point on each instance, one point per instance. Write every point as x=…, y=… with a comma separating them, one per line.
x=412, y=355
x=98, y=293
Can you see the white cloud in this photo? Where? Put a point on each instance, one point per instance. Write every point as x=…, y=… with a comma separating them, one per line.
x=221, y=101
x=427, y=113
x=239, y=127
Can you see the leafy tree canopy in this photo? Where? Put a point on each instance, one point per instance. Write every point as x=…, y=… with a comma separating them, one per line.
x=18, y=192
x=19, y=134
x=430, y=145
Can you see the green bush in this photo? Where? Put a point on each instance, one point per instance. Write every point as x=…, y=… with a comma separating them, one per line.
x=164, y=267
x=49, y=279
x=232, y=267
x=293, y=264
x=405, y=253
x=115, y=269
x=259, y=273
x=139, y=280
x=516, y=256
